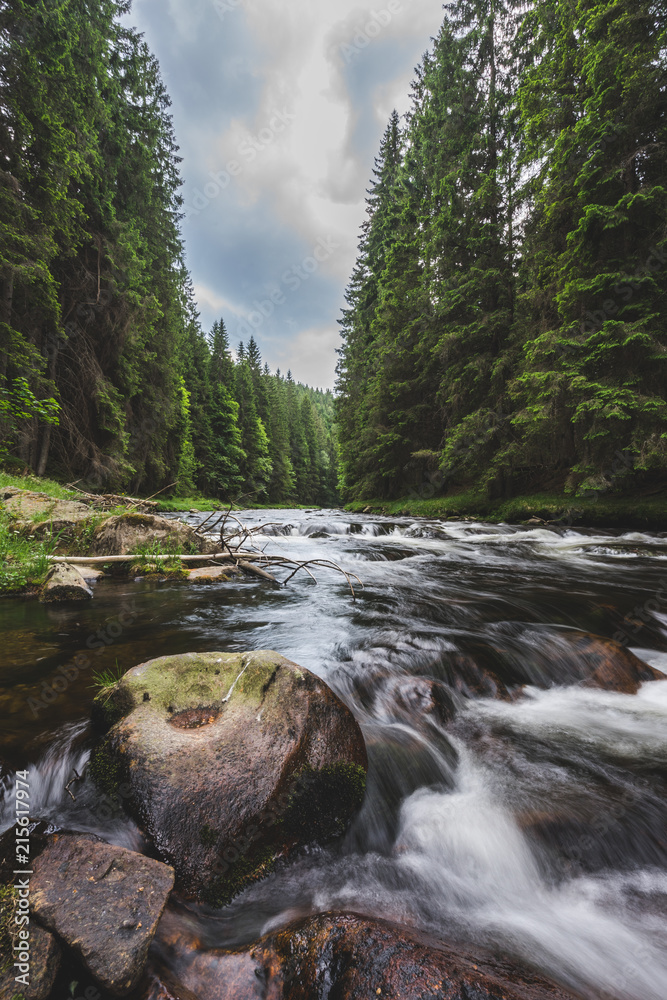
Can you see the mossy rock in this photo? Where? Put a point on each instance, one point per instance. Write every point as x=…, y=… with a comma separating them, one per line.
x=232, y=760
x=129, y=533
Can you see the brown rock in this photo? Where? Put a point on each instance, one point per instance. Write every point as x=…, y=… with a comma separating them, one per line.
x=65, y=583
x=211, y=574
x=610, y=667
x=119, y=536
x=26, y=506
x=422, y=698
x=104, y=902
x=44, y=962
x=217, y=748
x=470, y=679
x=343, y=955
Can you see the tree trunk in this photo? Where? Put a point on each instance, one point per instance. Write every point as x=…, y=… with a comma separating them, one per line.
x=5, y=318
x=53, y=349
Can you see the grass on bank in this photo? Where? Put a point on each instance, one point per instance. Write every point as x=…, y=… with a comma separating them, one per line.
x=648, y=512
x=36, y=485
x=24, y=561
x=165, y=505
x=178, y=505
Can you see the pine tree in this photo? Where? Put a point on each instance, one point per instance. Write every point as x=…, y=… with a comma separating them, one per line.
x=360, y=351
x=256, y=469
x=282, y=483
x=228, y=457
x=592, y=383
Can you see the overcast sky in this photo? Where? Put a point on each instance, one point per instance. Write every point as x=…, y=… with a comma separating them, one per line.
x=279, y=107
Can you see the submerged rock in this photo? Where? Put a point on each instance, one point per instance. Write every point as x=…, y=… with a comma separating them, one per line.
x=124, y=534
x=231, y=760
x=65, y=583
x=103, y=902
x=341, y=955
x=613, y=668
x=546, y=658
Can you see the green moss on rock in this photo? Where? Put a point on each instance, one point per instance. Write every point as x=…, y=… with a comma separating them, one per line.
x=7, y=904
x=105, y=770
x=208, y=836
x=110, y=706
x=242, y=874
x=324, y=801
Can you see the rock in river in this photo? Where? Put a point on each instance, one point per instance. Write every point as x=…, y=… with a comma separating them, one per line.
x=104, y=902
x=613, y=668
x=43, y=957
x=65, y=583
x=230, y=761
x=340, y=955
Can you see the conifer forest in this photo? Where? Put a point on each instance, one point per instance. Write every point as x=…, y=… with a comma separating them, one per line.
x=504, y=327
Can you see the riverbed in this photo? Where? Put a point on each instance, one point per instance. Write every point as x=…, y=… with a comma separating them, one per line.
x=534, y=824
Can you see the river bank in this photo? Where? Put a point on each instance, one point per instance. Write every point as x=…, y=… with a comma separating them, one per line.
x=599, y=510
x=47, y=532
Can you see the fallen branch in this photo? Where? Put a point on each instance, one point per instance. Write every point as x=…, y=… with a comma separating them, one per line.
x=107, y=501
x=251, y=568
x=137, y=557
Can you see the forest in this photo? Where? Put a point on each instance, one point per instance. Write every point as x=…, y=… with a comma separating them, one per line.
x=504, y=324
x=106, y=376
x=505, y=328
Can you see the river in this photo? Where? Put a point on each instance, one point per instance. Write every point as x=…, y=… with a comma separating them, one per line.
x=535, y=825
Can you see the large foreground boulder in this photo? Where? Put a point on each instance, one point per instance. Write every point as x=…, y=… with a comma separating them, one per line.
x=229, y=761
x=126, y=533
x=339, y=955
x=103, y=902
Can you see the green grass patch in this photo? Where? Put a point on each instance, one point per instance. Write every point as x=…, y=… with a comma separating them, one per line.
x=599, y=511
x=104, y=680
x=24, y=561
x=178, y=505
x=150, y=558
x=36, y=485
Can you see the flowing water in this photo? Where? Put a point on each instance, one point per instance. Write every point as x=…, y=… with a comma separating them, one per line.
x=534, y=823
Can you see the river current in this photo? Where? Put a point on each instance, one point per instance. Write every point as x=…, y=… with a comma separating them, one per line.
x=534, y=825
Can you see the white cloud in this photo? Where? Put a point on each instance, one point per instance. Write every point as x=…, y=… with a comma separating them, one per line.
x=311, y=355
x=338, y=67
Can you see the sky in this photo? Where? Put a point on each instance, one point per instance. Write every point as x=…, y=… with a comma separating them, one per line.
x=279, y=107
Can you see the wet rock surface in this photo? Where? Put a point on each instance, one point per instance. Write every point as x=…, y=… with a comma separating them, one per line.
x=231, y=760
x=613, y=668
x=544, y=659
x=65, y=583
x=44, y=963
x=103, y=902
x=338, y=956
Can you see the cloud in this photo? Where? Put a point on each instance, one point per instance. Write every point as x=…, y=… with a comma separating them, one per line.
x=294, y=95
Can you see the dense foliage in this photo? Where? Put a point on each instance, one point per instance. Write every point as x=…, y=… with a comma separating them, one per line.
x=505, y=325
x=252, y=433
x=105, y=375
